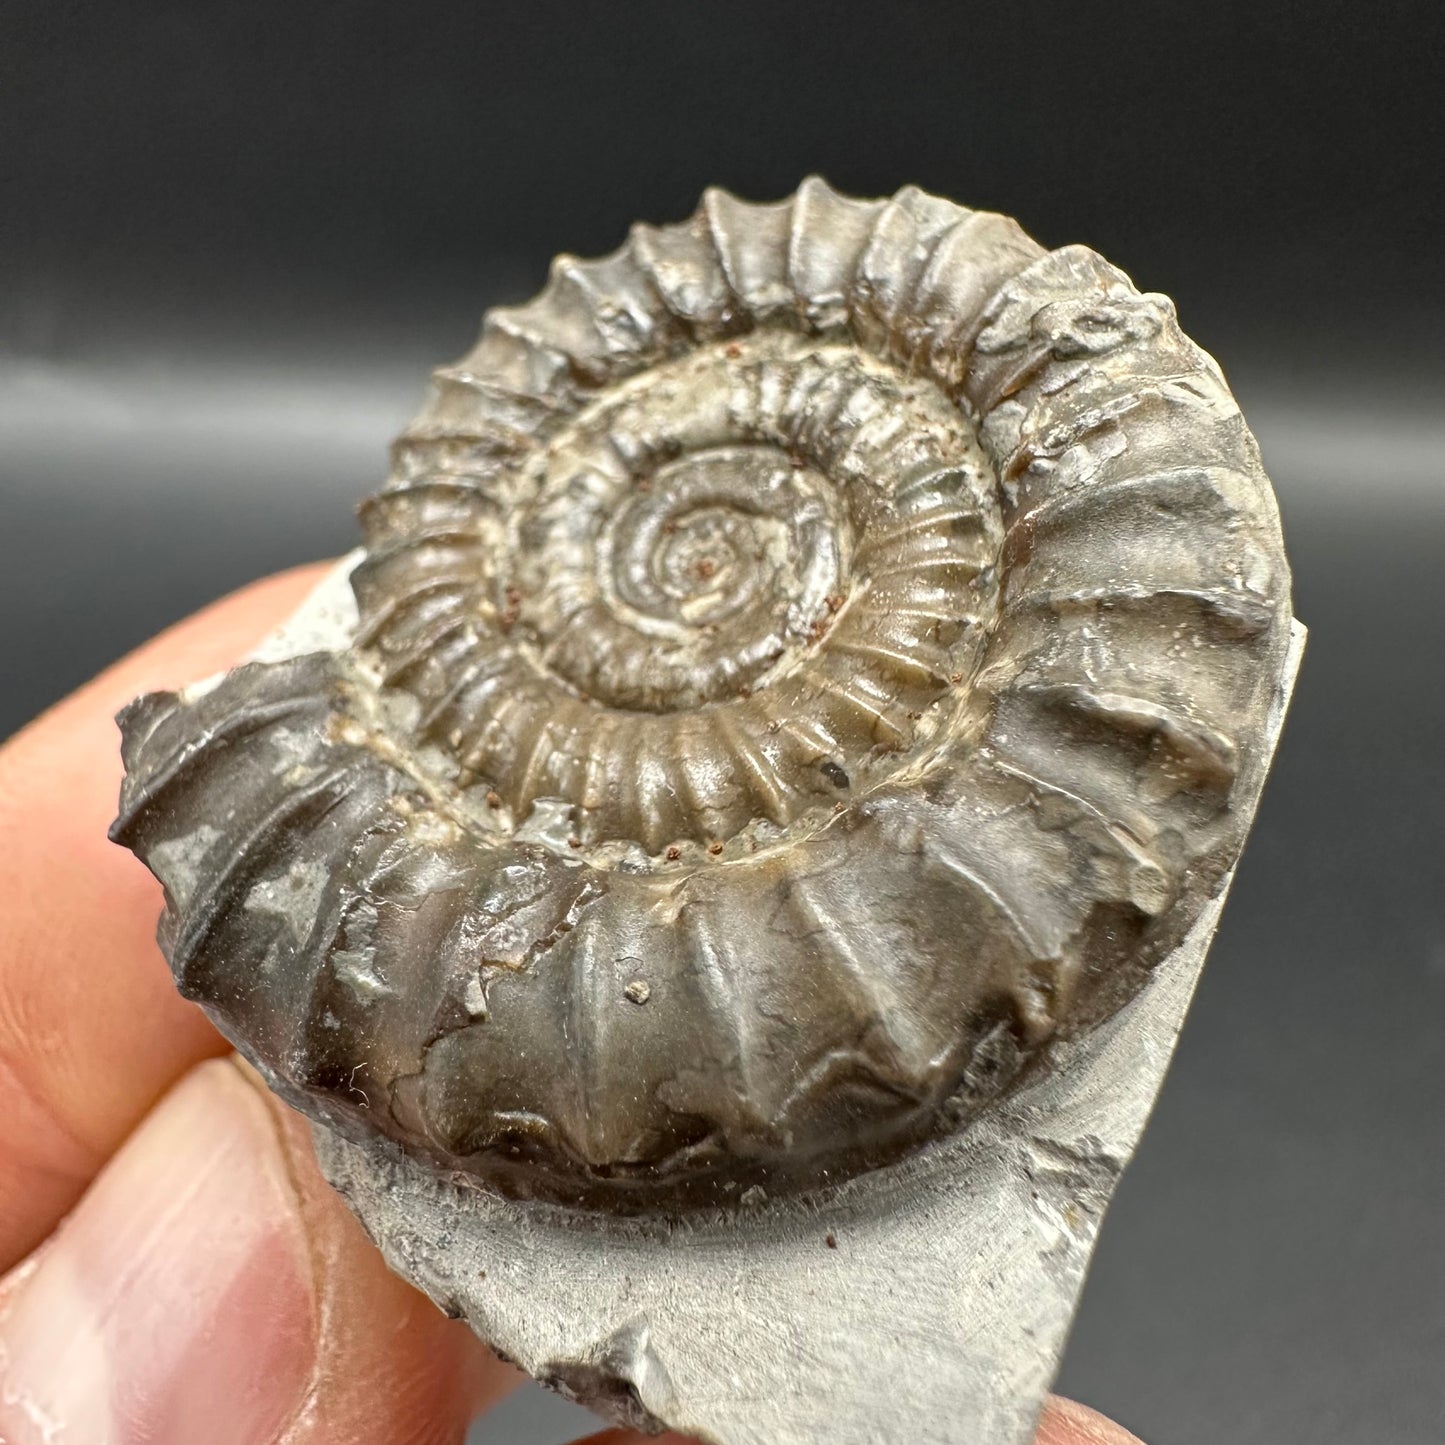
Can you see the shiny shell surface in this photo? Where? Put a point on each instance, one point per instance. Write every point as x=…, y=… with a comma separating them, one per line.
x=803, y=667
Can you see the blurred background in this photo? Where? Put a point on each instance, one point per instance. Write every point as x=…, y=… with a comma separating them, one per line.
x=235, y=237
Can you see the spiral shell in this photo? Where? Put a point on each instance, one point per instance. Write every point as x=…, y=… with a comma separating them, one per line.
x=806, y=663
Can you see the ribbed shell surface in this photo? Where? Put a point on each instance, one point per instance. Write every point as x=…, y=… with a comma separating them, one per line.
x=808, y=661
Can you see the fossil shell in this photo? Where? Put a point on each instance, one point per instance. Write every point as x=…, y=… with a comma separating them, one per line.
x=805, y=660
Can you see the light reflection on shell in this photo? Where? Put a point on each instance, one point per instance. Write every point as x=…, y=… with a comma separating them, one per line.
x=805, y=662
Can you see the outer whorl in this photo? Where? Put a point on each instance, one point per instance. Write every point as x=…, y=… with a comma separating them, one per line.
x=805, y=663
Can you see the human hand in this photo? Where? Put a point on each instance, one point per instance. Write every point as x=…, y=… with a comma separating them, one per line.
x=179, y=1273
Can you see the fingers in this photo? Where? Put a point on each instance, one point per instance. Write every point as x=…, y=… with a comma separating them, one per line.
x=92, y=1030
x=1062, y=1423
x=1066, y=1423
x=210, y=1286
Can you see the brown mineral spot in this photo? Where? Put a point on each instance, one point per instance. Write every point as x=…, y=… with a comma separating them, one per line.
x=714, y=848
x=674, y=853
x=830, y=1241
x=494, y=799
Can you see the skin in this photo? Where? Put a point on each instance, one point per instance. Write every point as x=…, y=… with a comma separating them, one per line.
x=174, y=1267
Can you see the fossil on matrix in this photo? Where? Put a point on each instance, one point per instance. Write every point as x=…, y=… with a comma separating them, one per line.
x=807, y=670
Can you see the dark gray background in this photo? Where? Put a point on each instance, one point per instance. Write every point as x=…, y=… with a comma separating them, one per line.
x=234, y=236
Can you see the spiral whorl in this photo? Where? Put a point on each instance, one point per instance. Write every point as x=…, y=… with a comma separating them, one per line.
x=807, y=661
x=742, y=576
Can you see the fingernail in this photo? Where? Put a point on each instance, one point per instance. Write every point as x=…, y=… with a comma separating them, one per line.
x=177, y=1302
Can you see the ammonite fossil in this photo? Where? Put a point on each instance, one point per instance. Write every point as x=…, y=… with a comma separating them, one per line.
x=805, y=666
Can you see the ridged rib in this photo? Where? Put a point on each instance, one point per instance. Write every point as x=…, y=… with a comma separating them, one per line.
x=1036, y=700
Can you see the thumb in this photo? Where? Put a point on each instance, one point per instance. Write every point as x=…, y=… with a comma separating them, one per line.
x=211, y=1287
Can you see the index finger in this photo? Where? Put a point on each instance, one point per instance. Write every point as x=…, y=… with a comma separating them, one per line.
x=92, y=1030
